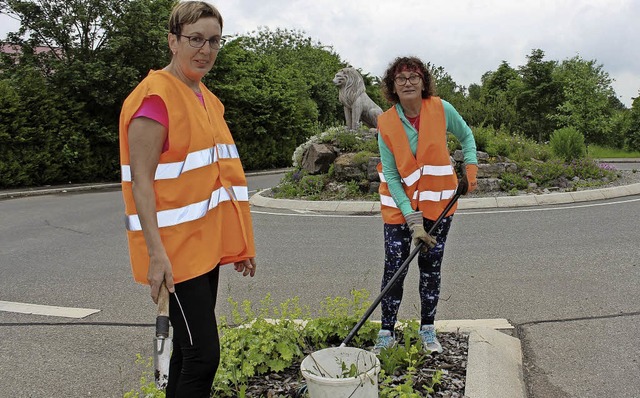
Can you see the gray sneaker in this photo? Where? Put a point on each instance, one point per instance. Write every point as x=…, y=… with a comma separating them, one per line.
x=385, y=340
x=430, y=342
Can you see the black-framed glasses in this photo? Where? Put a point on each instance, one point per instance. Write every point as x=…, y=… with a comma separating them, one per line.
x=402, y=80
x=198, y=42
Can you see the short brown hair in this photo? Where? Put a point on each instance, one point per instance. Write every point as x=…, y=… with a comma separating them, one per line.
x=411, y=63
x=188, y=12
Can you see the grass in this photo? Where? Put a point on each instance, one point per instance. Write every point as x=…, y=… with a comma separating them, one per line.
x=598, y=152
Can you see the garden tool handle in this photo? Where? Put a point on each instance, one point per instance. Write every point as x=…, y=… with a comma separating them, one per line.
x=162, y=320
x=395, y=277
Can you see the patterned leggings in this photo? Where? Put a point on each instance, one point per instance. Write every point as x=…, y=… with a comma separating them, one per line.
x=397, y=246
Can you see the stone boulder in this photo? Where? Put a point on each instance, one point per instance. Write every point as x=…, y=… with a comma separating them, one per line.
x=346, y=168
x=372, y=171
x=488, y=184
x=318, y=158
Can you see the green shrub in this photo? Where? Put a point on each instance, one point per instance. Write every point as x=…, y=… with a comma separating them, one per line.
x=347, y=141
x=568, y=143
x=452, y=143
x=544, y=173
x=313, y=184
x=483, y=135
x=370, y=145
x=510, y=181
x=588, y=169
x=362, y=157
x=498, y=148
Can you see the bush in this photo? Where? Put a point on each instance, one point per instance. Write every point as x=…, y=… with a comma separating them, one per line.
x=568, y=144
x=311, y=185
x=588, y=169
x=362, y=157
x=546, y=172
x=483, y=136
x=511, y=181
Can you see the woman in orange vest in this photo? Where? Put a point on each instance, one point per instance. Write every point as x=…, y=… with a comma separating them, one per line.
x=185, y=194
x=417, y=181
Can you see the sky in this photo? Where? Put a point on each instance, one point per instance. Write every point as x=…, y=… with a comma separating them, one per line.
x=466, y=37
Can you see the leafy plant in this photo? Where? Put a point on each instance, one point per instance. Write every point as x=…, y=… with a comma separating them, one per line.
x=147, y=384
x=256, y=346
x=337, y=316
x=362, y=157
x=511, y=181
x=568, y=144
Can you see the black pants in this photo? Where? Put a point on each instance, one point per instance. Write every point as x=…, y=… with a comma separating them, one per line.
x=196, y=346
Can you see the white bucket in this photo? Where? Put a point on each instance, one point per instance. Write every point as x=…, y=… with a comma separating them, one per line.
x=324, y=373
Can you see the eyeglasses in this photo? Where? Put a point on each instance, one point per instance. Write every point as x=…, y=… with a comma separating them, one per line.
x=198, y=42
x=401, y=80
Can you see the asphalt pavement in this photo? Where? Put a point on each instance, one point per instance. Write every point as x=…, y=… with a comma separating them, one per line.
x=586, y=356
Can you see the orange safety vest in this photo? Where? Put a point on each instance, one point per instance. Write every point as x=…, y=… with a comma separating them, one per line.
x=428, y=179
x=200, y=188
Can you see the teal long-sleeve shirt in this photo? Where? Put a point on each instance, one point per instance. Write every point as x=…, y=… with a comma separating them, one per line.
x=455, y=124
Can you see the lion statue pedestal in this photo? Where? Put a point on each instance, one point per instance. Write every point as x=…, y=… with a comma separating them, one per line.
x=357, y=104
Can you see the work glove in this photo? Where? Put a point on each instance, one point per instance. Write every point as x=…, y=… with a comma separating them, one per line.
x=418, y=233
x=468, y=182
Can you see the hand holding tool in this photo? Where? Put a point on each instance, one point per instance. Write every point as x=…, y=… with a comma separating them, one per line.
x=418, y=233
x=162, y=343
x=471, y=176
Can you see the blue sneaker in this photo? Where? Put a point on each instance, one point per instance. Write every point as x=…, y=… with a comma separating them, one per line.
x=430, y=342
x=385, y=340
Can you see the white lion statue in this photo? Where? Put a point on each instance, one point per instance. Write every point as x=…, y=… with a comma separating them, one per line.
x=357, y=104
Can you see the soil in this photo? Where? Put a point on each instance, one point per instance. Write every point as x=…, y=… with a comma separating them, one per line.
x=452, y=361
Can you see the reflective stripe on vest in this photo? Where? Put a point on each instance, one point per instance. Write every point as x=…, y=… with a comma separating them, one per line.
x=436, y=196
x=194, y=211
x=424, y=196
x=427, y=170
x=194, y=160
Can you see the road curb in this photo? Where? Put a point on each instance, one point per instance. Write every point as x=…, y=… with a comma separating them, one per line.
x=260, y=200
x=56, y=190
x=494, y=367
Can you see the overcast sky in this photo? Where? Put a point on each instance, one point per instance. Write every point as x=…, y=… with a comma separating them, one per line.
x=466, y=37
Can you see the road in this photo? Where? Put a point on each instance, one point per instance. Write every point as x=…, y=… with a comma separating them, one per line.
x=567, y=276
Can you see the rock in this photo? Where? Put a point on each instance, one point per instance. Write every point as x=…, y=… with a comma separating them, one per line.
x=489, y=184
x=318, y=158
x=346, y=169
x=458, y=156
x=491, y=170
x=373, y=187
x=372, y=171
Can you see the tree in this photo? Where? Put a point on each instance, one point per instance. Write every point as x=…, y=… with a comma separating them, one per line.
x=633, y=134
x=539, y=97
x=447, y=88
x=277, y=90
x=587, y=94
x=97, y=51
x=499, y=92
x=317, y=63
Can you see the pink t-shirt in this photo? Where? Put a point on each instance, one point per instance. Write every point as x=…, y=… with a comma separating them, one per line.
x=153, y=107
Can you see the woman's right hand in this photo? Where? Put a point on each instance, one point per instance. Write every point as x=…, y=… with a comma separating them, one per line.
x=159, y=271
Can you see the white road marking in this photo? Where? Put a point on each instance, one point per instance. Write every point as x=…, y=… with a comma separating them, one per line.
x=312, y=215
x=459, y=212
x=47, y=310
x=548, y=208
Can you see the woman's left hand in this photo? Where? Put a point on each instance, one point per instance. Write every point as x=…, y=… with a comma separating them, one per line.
x=247, y=267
